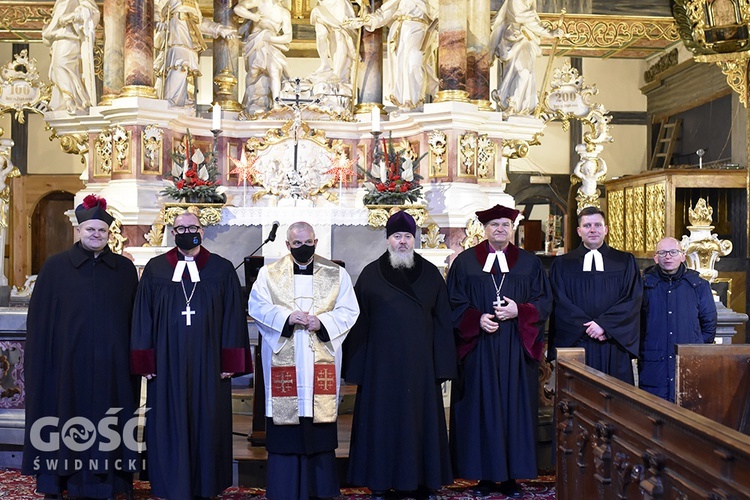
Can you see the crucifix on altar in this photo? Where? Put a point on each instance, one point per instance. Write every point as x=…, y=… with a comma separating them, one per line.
x=296, y=104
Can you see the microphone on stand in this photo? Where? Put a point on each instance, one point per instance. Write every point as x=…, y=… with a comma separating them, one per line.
x=272, y=234
x=271, y=237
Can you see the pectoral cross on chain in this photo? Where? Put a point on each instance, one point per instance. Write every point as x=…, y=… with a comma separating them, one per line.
x=187, y=313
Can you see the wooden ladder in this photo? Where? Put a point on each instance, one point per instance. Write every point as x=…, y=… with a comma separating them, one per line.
x=664, y=148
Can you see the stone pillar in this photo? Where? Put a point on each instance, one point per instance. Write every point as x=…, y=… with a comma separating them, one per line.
x=452, y=51
x=478, y=57
x=139, y=49
x=370, y=70
x=226, y=59
x=114, y=41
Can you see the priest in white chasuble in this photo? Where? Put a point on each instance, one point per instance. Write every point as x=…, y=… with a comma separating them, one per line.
x=189, y=337
x=304, y=306
x=597, y=300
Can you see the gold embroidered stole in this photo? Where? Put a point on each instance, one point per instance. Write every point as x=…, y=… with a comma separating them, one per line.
x=284, y=398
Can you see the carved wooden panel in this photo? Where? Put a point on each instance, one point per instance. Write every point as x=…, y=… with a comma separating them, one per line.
x=655, y=214
x=616, y=218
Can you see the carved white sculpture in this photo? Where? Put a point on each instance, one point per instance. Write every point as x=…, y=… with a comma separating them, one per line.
x=590, y=170
x=412, y=44
x=70, y=35
x=180, y=29
x=334, y=40
x=267, y=35
x=515, y=40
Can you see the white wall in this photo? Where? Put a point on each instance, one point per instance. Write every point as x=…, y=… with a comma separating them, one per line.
x=618, y=82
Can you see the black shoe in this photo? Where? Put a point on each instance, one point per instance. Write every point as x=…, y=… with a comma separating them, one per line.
x=424, y=493
x=378, y=495
x=511, y=488
x=483, y=488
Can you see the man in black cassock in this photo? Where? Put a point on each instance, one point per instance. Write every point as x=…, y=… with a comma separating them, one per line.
x=398, y=353
x=76, y=366
x=500, y=299
x=189, y=338
x=597, y=292
x=304, y=306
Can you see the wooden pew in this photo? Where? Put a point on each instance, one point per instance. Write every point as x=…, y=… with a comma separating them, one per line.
x=616, y=441
x=714, y=380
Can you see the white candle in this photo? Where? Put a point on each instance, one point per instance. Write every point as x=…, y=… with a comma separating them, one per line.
x=216, y=122
x=375, y=117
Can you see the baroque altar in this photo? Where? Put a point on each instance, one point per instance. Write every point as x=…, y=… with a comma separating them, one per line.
x=465, y=157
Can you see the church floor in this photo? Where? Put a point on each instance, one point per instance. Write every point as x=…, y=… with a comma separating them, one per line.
x=14, y=486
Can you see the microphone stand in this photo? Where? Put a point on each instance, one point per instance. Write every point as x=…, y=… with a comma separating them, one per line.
x=255, y=251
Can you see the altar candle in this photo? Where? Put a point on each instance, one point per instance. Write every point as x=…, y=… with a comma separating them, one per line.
x=375, y=117
x=216, y=122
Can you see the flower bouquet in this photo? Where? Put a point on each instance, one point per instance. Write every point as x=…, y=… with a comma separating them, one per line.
x=194, y=177
x=393, y=180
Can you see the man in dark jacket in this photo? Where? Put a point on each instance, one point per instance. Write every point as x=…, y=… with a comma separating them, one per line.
x=678, y=308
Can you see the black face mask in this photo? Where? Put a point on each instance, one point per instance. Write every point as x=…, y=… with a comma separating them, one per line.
x=187, y=241
x=303, y=253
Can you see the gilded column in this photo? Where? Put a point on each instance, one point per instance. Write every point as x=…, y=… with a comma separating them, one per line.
x=114, y=41
x=478, y=57
x=139, y=49
x=370, y=69
x=226, y=59
x=452, y=51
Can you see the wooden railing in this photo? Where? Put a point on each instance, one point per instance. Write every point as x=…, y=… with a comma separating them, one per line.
x=616, y=441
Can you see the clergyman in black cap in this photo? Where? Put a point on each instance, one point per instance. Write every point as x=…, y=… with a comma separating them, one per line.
x=76, y=366
x=399, y=352
x=500, y=298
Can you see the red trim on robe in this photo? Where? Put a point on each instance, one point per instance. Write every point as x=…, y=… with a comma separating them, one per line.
x=468, y=332
x=528, y=330
x=142, y=362
x=200, y=260
x=236, y=360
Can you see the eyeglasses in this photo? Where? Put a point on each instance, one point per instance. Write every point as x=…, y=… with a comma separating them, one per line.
x=186, y=229
x=673, y=253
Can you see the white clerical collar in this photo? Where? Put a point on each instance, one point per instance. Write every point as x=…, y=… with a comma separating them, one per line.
x=192, y=268
x=501, y=261
x=304, y=266
x=595, y=256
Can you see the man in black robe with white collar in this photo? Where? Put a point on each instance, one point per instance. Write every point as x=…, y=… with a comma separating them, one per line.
x=597, y=292
x=500, y=299
x=76, y=366
x=399, y=352
x=189, y=337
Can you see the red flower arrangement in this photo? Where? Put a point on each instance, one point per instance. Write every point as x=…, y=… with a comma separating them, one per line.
x=393, y=179
x=194, y=176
